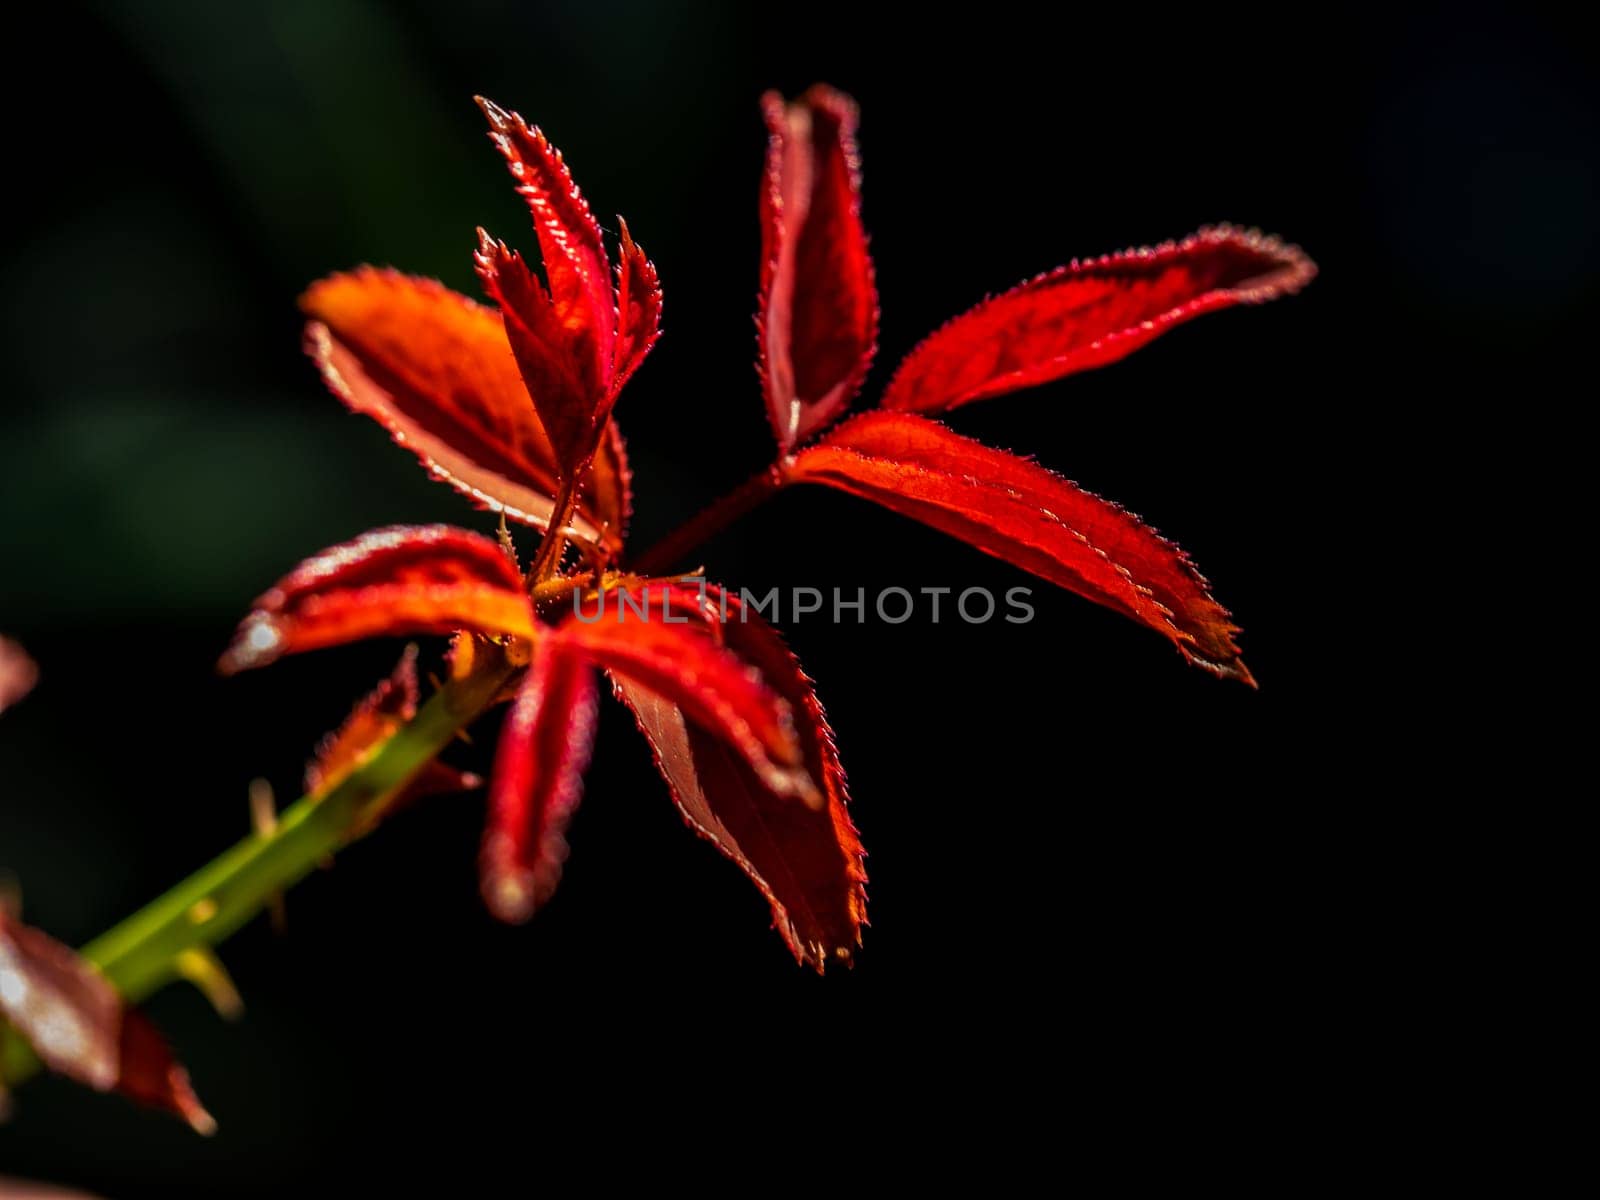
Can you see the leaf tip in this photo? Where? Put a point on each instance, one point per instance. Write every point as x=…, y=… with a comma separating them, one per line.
x=509, y=895
x=188, y=1104
x=260, y=640
x=499, y=118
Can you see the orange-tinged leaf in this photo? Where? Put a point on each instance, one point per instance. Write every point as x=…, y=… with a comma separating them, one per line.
x=538, y=780
x=818, y=316
x=672, y=654
x=79, y=1026
x=1091, y=313
x=437, y=371
x=1016, y=510
x=18, y=673
x=806, y=861
x=569, y=237
x=389, y=582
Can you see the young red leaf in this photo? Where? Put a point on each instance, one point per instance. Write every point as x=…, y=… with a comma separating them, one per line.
x=538, y=780
x=437, y=371
x=79, y=1027
x=1091, y=313
x=372, y=723
x=560, y=376
x=396, y=581
x=673, y=655
x=1013, y=509
x=569, y=238
x=638, y=309
x=807, y=862
x=818, y=318
x=18, y=673
x=607, y=494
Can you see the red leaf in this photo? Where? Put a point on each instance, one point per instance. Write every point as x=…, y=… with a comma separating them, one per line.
x=1018, y=511
x=151, y=1077
x=1092, y=313
x=558, y=373
x=78, y=1026
x=407, y=579
x=807, y=862
x=672, y=654
x=638, y=309
x=67, y=1011
x=538, y=780
x=18, y=673
x=370, y=724
x=607, y=494
x=574, y=252
x=436, y=370
x=818, y=318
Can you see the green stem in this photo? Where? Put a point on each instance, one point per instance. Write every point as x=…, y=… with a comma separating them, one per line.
x=140, y=955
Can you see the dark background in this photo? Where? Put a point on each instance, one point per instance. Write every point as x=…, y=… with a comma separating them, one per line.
x=1118, y=907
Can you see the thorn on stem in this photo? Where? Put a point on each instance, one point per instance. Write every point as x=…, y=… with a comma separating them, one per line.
x=264, y=820
x=205, y=970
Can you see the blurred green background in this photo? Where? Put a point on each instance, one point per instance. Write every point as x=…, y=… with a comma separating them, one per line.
x=1093, y=869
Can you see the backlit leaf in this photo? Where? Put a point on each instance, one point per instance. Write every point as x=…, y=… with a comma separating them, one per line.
x=437, y=371
x=1091, y=313
x=671, y=653
x=407, y=579
x=818, y=316
x=538, y=780
x=1016, y=510
x=806, y=861
x=569, y=237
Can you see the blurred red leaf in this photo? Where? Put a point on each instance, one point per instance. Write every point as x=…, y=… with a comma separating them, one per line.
x=18, y=673
x=1091, y=313
x=818, y=317
x=806, y=861
x=672, y=654
x=407, y=579
x=151, y=1077
x=79, y=1027
x=1016, y=510
x=437, y=371
x=538, y=780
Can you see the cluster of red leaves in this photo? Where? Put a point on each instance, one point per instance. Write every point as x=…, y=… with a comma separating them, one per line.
x=512, y=406
x=508, y=405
